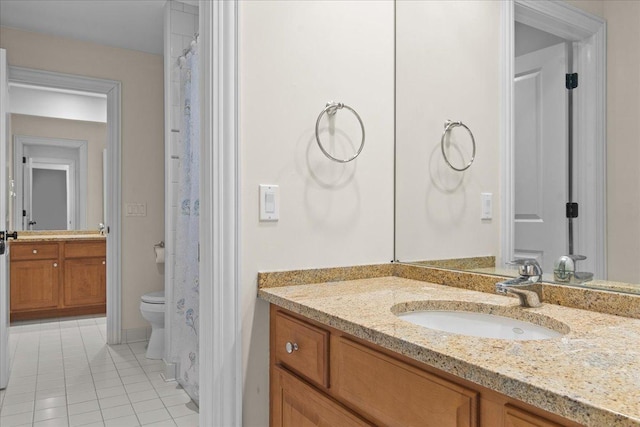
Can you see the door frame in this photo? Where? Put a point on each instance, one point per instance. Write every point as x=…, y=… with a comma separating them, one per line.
x=79, y=178
x=112, y=89
x=220, y=306
x=570, y=23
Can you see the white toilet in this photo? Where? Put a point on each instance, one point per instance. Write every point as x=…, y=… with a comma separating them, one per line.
x=152, y=309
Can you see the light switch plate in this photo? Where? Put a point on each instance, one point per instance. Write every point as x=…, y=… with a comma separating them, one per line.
x=135, y=209
x=269, y=202
x=486, y=205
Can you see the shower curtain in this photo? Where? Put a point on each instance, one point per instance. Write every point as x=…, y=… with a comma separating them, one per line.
x=185, y=342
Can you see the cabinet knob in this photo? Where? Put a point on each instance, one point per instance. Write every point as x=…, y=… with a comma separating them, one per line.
x=104, y=262
x=291, y=347
x=55, y=264
x=35, y=251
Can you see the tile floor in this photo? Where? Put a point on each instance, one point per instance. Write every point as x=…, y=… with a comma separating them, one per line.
x=63, y=374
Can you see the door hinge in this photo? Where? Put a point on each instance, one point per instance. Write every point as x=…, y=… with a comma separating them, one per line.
x=571, y=81
x=24, y=213
x=572, y=210
x=24, y=160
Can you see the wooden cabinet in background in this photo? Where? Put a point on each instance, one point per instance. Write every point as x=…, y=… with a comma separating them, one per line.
x=58, y=278
x=370, y=386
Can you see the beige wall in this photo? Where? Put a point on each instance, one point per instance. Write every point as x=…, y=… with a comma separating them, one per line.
x=623, y=139
x=447, y=67
x=141, y=75
x=294, y=57
x=96, y=136
x=623, y=134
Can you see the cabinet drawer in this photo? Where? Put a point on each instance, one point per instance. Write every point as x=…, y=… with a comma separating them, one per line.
x=396, y=394
x=32, y=251
x=85, y=249
x=516, y=417
x=303, y=348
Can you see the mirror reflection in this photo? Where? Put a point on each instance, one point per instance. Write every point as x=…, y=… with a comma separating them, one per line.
x=449, y=67
x=58, y=143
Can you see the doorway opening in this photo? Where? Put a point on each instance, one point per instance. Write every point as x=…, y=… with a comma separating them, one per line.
x=107, y=216
x=532, y=199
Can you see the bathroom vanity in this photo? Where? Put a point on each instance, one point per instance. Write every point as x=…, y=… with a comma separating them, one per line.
x=340, y=355
x=57, y=275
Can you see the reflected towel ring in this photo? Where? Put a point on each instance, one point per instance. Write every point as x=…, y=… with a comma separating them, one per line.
x=449, y=125
x=331, y=109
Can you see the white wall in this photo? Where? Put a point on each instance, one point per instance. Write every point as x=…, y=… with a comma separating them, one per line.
x=447, y=60
x=294, y=57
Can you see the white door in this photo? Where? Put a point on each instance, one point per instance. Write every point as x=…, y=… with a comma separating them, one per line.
x=540, y=155
x=4, y=268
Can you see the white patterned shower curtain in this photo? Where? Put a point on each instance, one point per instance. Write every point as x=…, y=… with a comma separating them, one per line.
x=186, y=293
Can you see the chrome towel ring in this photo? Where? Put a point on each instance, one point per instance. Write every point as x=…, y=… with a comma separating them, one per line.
x=330, y=109
x=449, y=125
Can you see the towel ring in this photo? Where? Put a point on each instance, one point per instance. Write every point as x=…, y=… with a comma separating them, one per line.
x=331, y=109
x=449, y=125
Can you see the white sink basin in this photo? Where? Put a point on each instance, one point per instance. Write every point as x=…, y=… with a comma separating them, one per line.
x=479, y=325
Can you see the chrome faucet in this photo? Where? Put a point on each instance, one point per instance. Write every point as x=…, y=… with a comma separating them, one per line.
x=525, y=286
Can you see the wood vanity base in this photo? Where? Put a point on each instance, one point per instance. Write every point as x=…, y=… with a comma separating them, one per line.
x=324, y=377
x=57, y=278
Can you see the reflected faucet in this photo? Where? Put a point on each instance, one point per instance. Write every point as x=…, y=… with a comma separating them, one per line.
x=525, y=286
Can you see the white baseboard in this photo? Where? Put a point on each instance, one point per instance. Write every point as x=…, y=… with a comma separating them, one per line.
x=135, y=335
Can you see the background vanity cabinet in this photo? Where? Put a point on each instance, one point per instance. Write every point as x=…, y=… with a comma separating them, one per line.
x=323, y=377
x=35, y=271
x=57, y=278
x=85, y=268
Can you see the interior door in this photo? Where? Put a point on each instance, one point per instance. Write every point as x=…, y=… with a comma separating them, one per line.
x=4, y=259
x=540, y=154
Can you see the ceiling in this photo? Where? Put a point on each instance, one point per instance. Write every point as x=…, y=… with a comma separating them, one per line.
x=128, y=24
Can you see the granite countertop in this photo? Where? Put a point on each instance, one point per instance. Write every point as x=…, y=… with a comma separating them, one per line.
x=591, y=375
x=48, y=236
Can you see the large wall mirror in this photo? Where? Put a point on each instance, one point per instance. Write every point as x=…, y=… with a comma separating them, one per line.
x=512, y=201
x=58, y=139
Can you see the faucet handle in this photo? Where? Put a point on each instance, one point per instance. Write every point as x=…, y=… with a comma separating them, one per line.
x=527, y=267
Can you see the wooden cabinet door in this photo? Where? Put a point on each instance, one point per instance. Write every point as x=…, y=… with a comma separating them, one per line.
x=396, y=394
x=296, y=404
x=84, y=281
x=34, y=284
x=516, y=417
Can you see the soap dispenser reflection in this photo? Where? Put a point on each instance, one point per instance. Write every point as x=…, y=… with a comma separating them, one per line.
x=564, y=269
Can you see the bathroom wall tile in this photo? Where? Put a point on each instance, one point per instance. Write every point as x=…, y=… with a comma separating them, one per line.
x=176, y=118
x=174, y=198
x=176, y=5
x=175, y=87
x=174, y=170
x=175, y=44
x=182, y=23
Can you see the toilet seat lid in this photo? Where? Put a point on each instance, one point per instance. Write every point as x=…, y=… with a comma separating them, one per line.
x=154, y=297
